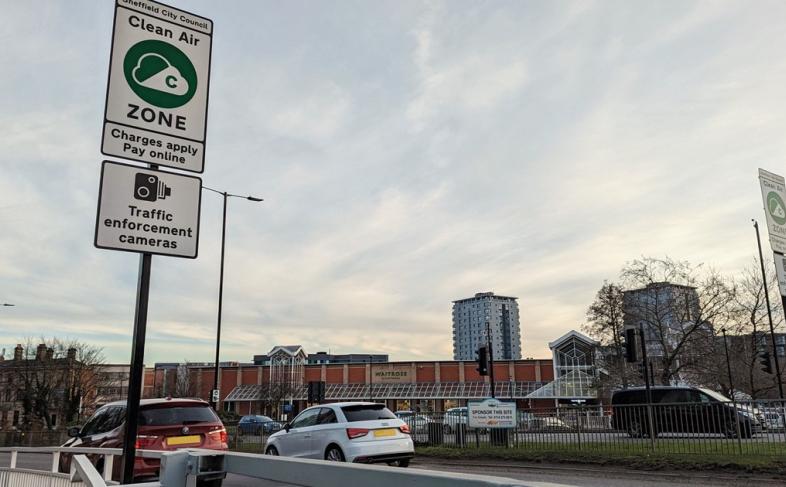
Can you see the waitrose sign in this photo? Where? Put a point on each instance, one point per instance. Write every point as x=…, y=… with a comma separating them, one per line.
x=391, y=375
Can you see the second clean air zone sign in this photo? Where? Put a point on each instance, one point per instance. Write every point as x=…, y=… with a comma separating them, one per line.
x=159, y=73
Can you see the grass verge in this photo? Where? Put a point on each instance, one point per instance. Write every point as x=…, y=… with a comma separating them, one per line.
x=602, y=455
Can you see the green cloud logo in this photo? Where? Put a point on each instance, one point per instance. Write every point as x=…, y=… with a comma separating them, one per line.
x=160, y=74
x=776, y=208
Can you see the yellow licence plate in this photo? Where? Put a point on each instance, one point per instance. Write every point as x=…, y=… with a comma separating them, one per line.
x=385, y=432
x=183, y=440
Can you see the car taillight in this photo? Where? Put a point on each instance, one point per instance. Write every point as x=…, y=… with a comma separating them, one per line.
x=353, y=433
x=144, y=441
x=219, y=435
x=404, y=428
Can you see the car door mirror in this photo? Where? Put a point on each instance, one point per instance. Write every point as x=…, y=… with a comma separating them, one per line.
x=73, y=432
x=287, y=427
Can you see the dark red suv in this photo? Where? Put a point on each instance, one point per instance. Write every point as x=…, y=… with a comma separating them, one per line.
x=164, y=424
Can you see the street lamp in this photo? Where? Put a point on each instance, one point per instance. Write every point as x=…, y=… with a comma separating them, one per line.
x=370, y=378
x=226, y=195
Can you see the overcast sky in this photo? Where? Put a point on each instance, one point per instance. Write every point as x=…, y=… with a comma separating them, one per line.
x=409, y=153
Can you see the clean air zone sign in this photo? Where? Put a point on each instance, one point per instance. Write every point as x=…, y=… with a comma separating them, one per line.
x=159, y=75
x=773, y=193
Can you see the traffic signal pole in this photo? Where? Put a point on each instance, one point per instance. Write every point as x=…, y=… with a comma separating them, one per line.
x=650, y=420
x=491, y=359
x=769, y=312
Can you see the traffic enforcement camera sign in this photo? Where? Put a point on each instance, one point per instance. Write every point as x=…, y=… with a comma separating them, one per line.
x=773, y=192
x=142, y=210
x=159, y=75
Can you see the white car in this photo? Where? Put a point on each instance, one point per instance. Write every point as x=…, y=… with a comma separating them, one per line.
x=417, y=422
x=360, y=432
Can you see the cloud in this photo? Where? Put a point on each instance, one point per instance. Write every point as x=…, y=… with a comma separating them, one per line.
x=154, y=71
x=409, y=155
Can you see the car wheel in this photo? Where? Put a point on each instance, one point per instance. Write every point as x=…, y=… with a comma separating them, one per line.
x=403, y=463
x=271, y=450
x=446, y=429
x=334, y=454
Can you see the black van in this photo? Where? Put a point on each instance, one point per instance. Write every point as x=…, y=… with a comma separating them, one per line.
x=681, y=409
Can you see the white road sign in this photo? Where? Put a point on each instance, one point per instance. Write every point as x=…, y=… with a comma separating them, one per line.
x=773, y=192
x=142, y=210
x=780, y=270
x=159, y=75
x=491, y=413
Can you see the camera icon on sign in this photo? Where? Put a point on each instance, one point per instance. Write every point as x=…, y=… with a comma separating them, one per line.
x=147, y=187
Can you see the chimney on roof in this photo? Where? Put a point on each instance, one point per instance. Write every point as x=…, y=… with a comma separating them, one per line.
x=40, y=352
x=71, y=353
x=18, y=352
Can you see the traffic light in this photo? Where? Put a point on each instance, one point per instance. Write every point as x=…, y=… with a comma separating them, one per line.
x=316, y=392
x=483, y=361
x=630, y=345
x=765, y=362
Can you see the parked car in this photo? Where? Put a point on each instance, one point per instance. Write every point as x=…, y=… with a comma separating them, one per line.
x=454, y=417
x=359, y=432
x=773, y=419
x=257, y=424
x=417, y=422
x=680, y=409
x=164, y=424
x=530, y=422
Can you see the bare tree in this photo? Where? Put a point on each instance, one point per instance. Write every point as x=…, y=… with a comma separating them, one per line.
x=749, y=325
x=271, y=395
x=86, y=366
x=54, y=377
x=605, y=324
x=679, y=306
x=184, y=385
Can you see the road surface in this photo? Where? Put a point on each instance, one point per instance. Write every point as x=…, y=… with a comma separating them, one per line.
x=555, y=474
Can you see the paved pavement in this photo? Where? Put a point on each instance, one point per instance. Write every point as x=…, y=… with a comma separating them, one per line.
x=596, y=477
x=555, y=474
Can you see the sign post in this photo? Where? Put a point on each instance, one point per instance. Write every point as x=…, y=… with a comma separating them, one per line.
x=773, y=193
x=155, y=113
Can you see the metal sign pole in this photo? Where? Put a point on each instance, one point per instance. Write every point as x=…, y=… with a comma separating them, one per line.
x=769, y=312
x=137, y=367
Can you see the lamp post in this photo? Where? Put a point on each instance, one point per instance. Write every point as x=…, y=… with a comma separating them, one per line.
x=370, y=378
x=226, y=196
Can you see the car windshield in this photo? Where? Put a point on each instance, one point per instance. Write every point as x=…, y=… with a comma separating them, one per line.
x=367, y=412
x=164, y=416
x=715, y=395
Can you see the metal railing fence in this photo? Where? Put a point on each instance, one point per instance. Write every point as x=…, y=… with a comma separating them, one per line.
x=679, y=428
x=186, y=468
